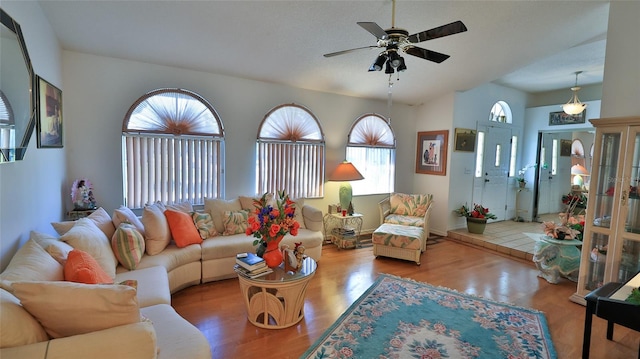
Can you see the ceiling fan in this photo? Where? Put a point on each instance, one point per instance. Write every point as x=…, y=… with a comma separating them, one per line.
x=396, y=39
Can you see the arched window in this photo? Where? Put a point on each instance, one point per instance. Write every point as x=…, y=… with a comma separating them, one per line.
x=500, y=112
x=290, y=153
x=371, y=149
x=7, y=129
x=172, y=149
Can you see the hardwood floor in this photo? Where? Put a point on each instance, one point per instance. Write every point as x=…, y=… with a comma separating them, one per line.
x=218, y=310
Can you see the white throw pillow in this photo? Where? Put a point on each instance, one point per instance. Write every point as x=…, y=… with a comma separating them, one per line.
x=185, y=207
x=157, y=233
x=86, y=236
x=217, y=207
x=31, y=263
x=66, y=308
x=124, y=214
x=17, y=326
x=99, y=216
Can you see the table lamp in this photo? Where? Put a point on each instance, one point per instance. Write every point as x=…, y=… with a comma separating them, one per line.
x=344, y=173
x=578, y=171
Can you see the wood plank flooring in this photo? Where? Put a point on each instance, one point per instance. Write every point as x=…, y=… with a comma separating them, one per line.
x=217, y=308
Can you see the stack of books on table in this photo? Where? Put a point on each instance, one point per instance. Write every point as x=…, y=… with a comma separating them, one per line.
x=251, y=266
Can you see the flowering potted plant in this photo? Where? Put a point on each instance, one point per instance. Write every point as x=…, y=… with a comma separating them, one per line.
x=269, y=224
x=476, y=217
x=576, y=203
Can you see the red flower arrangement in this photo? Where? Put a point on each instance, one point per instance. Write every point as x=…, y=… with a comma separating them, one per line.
x=478, y=212
x=272, y=220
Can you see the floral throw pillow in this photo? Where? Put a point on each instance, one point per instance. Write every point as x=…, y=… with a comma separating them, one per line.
x=235, y=222
x=204, y=223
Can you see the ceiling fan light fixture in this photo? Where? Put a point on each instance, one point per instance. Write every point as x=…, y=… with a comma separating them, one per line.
x=377, y=65
x=394, y=58
x=574, y=106
x=389, y=68
x=402, y=67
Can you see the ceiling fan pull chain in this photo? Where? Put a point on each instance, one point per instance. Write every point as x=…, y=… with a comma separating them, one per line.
x=389, y=102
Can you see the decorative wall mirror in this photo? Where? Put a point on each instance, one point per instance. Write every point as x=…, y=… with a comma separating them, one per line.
x=17, y=107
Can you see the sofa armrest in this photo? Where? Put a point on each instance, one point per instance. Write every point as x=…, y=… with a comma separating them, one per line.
x=137, y=340
x=312, y=218
x=384, y=207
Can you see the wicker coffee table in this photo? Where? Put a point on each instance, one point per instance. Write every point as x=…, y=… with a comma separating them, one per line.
x=276, y=300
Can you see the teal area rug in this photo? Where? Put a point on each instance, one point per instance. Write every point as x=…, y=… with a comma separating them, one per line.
x=400, y=318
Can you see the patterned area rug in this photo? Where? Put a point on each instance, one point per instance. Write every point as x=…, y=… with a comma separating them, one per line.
x=400, y=318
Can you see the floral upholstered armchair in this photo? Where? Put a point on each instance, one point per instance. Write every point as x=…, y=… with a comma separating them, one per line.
x=407, y=210
x=404, y=227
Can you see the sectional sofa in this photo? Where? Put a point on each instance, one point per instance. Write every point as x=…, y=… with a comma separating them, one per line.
x=147, y=257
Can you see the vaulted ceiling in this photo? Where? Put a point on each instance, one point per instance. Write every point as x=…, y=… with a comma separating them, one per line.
x=533, y=46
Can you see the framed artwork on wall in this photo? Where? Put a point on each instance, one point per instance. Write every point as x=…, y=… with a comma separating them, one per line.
x=465, y=140
x=561, y=118
x=431, y=156
x=565, y=147
x=48, y=114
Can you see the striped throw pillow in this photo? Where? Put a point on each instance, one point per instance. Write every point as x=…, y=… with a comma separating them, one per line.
x=128, y=245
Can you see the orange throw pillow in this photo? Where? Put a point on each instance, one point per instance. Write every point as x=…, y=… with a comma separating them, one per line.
x=81, y=267
x=183, y=230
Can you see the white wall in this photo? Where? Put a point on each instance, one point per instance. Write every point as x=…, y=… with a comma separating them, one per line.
x=104, y=88
x=621, y=84
x=32, y=190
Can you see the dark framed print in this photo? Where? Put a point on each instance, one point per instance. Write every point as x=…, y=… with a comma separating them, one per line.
x=465, y=140
x=48, y=114
x=565, y=147
x=562, y=118
x=431, y=156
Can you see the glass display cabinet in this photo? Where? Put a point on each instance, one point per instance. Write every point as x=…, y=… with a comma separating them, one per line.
x=611, y=244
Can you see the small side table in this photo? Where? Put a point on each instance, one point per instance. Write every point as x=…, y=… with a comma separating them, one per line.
x=337, y=220
x=77, y=214
x=557, y=258
x=276, y=300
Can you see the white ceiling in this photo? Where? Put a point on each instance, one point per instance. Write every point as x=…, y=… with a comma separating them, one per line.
x=530, y=45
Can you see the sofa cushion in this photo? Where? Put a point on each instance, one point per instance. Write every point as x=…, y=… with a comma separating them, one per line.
x=64, y=308
x=177, y=338
x=409, y=204
x=153, y=285
x=99, y=216
x=173, y=257
x=299, y=204
x=204, y=224
x=128, y=245
x=81, y=267
x=185, y=207
x=217, y=207
x=17, y=326
x=86, y=236
x=157, y=233
x=235, y=222
x=124, y=214
x=183, y=230
x=31, y=263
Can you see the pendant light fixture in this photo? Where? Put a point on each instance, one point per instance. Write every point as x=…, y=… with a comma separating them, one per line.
x=574, y=106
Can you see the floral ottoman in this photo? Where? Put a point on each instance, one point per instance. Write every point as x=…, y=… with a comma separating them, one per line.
x=398, y=241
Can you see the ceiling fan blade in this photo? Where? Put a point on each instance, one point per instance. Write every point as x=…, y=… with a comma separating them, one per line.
x=442, y=31
x=347, y=51
x=426, y=54
x=374, y=29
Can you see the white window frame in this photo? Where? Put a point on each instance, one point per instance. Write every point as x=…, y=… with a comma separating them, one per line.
x=372, y=150
x=290, y=153
x=172, y=149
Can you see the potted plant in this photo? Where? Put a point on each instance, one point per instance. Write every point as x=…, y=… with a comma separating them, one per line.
x=476, y=217
x=521, y=182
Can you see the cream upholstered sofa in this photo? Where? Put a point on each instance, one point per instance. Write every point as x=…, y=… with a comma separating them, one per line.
x=53, y=325
x=404, y=226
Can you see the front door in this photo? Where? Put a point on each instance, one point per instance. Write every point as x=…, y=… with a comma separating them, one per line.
x=495, y=171
x=555, y=169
